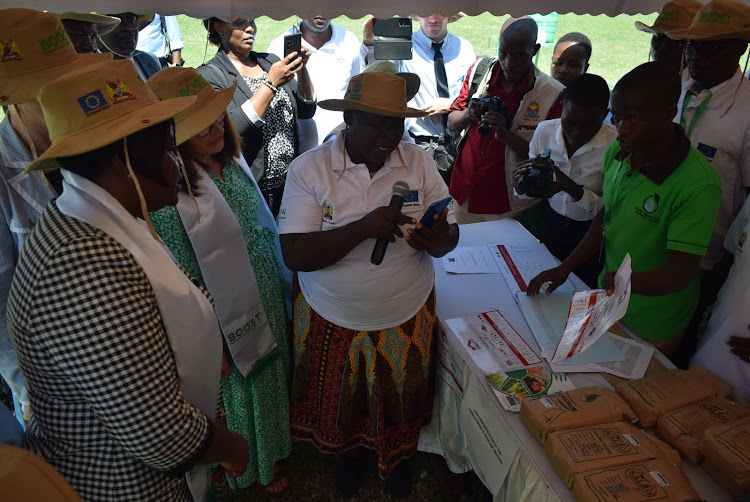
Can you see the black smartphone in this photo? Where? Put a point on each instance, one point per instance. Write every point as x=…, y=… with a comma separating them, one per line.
x=392, y=38
x=292, y=43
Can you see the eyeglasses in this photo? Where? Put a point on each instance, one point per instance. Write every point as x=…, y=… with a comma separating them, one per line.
x=219, y=121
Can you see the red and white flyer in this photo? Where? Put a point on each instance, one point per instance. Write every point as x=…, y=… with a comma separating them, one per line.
x=592, y=313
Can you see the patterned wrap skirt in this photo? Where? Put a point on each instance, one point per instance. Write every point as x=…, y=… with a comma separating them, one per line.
x=362, y=388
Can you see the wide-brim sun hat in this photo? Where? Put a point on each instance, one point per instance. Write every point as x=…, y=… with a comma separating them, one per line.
x=375, y=92
x=674, y=15
x=141, y=20
x=178, y=82
x=717, y=20
x=95, y=106
x=35, y=49
x=104, y=24
x=25, y=476
x=412, y=79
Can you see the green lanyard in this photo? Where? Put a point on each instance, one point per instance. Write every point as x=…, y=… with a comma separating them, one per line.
x=698, y=112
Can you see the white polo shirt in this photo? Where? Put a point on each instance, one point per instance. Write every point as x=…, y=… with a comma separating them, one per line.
x=730, y=315
x=585, y=167
x=724, y=138
x=330, y=69
x=321, y=195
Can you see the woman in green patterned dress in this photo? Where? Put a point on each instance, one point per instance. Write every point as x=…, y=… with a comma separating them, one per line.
x=223, y=234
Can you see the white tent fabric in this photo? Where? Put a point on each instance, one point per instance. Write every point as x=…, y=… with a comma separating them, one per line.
x=281, y=9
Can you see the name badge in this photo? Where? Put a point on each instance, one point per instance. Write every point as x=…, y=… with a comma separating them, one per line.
x=413, y=199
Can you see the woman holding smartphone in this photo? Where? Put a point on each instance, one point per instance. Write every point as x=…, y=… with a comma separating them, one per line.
x=267, y=103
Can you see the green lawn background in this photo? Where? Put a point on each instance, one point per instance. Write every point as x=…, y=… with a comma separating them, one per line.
x=617, y=46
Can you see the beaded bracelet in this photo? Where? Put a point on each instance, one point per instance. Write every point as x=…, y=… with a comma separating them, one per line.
x=271, y=85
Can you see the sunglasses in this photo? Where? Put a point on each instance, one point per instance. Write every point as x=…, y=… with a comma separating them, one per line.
x=219, y=121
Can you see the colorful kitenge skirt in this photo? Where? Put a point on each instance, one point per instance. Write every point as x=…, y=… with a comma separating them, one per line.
x=362, y=388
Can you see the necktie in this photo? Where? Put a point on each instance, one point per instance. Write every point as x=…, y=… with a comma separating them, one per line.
x=440, y=76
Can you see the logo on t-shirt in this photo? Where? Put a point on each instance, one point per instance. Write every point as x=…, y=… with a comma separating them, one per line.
x=742, y=240
x=533, y=110
x=651, y=204
x=328, y=211
x=708, y=151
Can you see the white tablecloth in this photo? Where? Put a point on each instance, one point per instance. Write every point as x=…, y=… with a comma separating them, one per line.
x=531, y=475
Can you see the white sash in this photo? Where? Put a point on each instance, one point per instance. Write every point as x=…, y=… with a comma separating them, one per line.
x=187, y=314
x=221, y=251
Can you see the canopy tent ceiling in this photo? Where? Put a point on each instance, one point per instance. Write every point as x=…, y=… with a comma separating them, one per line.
x=281, y=9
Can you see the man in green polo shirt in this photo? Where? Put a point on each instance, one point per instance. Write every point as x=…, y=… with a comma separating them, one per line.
x=661, y=198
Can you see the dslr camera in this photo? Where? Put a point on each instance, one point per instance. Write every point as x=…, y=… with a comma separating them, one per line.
x=490, y=104
x=536, y=181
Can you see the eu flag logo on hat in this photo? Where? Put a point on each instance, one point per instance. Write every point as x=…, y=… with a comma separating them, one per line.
x=93, y=102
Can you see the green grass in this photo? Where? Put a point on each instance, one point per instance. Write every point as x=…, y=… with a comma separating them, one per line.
x=617, y=46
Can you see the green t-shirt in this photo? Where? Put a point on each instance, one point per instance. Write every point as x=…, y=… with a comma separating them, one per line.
x=647, y=220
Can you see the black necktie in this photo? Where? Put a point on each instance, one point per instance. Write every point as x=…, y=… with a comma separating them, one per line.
x=440, y=76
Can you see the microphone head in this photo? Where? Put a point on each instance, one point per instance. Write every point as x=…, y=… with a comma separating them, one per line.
x=401, y=188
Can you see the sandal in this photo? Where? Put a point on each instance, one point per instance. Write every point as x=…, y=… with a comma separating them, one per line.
x=278, y=484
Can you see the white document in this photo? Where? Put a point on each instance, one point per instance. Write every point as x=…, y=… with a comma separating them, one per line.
x=520, y=263
x=637, y=358
x=592, y=313
x=490, y=443
x=470, y=260
x=492, y=343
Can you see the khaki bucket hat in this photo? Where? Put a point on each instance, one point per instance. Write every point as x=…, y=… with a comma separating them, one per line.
x=674, y=15
x=717, y=20
x=375, y=92
x=34, y=50
x=178, y=82
x=104, y=24
x=25, y=476
x=94, y=106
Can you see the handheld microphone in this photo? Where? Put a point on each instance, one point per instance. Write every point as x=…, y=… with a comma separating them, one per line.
x=400, y=191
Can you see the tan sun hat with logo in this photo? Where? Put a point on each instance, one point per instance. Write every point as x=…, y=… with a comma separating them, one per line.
x=95, y=106
x=674, y=15
x=34, y=50
x=178, y=82
x=717, y=20
x=104, y=24
x=375, y=92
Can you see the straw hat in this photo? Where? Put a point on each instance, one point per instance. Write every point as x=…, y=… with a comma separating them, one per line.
x=209, y=105
x=375, y=92
x=385, y=66
x=674, y=15
x=34, y=50
x=104, y=24
x=95, y=106
x=25, y=476
x=717, y=20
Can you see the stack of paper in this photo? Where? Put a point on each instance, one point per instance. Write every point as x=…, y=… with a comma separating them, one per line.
x=520, y=263
x=547, y=317
x=492, y=343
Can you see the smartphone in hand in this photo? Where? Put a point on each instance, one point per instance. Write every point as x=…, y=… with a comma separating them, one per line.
x=435, y=208
x=292, y=43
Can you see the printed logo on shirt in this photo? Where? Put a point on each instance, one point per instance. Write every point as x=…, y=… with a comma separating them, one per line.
x=10, y=51
x=93, y=102
x=651, y=203
x=708, y=151
x=328, y=212
x=412, y=200
x=649, y=207
x=742, y=240
x=119, y=91
x=533, y=110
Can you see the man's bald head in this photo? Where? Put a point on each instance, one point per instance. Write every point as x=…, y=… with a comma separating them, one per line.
x=524, y=27
x=517, y=48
